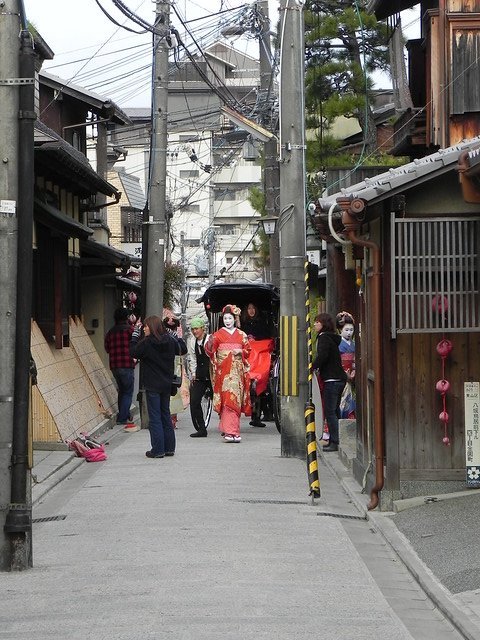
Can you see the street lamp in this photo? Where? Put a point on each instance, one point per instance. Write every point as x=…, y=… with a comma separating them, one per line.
x=269, y=224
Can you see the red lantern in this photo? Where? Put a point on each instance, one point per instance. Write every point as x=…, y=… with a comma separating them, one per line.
x=442, y=386
x=444, y=347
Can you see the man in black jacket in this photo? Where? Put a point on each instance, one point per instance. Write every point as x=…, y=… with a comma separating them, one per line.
x=199, y=374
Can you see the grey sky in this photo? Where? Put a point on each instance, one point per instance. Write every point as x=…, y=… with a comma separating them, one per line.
x=79, y=31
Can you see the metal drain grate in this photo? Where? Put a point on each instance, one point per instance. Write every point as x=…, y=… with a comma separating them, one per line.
x=273, y=502
x=340, y=515
x=48, y=519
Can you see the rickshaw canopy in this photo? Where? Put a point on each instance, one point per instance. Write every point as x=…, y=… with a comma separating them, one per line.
x=265, y=296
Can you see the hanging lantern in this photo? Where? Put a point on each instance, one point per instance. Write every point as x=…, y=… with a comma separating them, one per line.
x=444, y=348
x=442, y=386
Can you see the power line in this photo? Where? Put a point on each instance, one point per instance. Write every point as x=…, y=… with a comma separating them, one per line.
x=122, y=26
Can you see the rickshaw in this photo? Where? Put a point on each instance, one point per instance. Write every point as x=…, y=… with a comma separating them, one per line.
x=264, y=367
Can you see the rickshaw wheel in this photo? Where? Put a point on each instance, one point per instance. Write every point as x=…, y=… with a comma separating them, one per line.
x=275, y=391
x=207, y=403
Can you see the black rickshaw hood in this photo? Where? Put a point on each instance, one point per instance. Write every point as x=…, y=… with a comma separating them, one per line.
x=262, y=294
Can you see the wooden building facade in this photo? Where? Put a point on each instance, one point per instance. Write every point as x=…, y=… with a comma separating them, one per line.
x=443, y=74
x=73, y=274
x=414, y=245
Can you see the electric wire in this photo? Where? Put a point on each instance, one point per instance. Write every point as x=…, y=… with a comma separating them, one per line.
x=83, y=66
x=112, y=19
x=232, y=97
x=100, y=55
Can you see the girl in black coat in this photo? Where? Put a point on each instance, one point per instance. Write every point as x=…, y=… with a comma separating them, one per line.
x=156, y=352
x=332, y=376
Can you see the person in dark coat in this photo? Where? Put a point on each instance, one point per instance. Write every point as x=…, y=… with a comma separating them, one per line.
x=156, y=351
x=256, y=329
x=253, y=324
x=332, y=376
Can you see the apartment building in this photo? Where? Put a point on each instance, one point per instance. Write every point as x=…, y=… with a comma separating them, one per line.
x=211, y=166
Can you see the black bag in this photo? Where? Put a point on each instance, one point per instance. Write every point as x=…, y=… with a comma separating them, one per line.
x=178, y=364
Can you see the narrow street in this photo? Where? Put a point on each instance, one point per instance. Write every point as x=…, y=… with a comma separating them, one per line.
x=221, y=541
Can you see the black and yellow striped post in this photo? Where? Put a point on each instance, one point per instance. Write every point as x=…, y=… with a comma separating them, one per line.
x=312, y=464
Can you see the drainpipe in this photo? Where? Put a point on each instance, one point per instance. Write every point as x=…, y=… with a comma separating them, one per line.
x=468, y=168
x=96, y=207
x=352, y=215
x=18, y=523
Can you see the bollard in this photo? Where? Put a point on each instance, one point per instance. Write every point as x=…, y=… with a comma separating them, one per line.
x=312, y=465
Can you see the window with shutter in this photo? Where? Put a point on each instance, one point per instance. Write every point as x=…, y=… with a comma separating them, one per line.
x=435, y=274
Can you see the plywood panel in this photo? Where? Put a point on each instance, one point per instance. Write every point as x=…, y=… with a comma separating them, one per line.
x=100, y=378
x=44, y=428
x=65, y=388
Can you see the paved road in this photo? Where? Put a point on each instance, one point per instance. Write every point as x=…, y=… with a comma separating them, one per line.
x=444, y=534
x=219, y=542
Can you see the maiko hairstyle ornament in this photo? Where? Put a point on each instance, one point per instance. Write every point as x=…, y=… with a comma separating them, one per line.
x=344, y=318
x=231, y=308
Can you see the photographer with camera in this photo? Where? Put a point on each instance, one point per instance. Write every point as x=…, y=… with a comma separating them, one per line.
x=156, y=351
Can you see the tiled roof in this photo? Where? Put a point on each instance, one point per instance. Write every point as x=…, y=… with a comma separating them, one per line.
x=387, y=184
x=133, y=190
x=58, y=158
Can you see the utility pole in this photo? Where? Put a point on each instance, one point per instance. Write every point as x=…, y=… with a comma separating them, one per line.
x=156, y=223
x=155, y=215
x=17, y=76
x=9, y=70
x=271, y=176
x=183, y=299
x=292, y=223
x=210, y=242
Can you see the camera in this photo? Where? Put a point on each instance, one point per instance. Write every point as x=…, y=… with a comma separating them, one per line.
x=171, y=323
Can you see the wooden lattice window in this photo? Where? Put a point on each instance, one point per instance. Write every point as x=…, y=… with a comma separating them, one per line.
x=435, y=274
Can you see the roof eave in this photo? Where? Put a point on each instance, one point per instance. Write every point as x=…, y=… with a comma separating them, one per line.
x=384, y=8
x=386, y=185
x=92, y=99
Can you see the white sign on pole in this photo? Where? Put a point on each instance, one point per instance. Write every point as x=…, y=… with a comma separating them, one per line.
x=472, y=432
x=313, y=256
x=8, y=207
